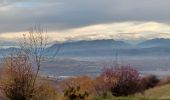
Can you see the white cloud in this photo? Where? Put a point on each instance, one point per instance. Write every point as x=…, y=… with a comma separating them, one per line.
x=124, y=30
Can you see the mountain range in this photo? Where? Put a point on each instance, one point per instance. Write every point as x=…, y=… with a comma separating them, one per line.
x=106, y=47
x=109, y=47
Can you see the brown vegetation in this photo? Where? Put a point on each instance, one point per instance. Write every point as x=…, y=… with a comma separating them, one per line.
x=17, y=81
x=79, y=88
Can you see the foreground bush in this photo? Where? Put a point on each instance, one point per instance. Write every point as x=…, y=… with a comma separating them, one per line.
x=46, y=91
x=149, y=81
x=105, y=82
x=74, y=93
x=79, y=88
x=127, y=80
x=17, y=81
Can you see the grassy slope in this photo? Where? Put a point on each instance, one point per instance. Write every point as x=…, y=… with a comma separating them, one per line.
x=161, y=92
x=157, y=93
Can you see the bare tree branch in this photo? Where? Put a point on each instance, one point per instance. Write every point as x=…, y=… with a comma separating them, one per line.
x=34, y=45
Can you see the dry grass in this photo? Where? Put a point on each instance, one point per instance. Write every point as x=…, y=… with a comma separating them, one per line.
x=159, y=92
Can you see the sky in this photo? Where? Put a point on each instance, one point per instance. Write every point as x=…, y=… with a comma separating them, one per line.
x=86, y=19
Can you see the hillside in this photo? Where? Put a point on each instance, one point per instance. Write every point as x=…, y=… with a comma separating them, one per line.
x=162, y=92
x=157, y=93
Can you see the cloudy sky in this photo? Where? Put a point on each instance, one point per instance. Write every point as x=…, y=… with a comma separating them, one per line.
x=86, y=19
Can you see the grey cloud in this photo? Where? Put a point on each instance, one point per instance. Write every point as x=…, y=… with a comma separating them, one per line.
x=66, y=14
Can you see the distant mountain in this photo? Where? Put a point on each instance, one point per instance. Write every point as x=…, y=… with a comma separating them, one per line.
x=158, y=42
x=7, y=51
x=93, y=47
x=93, y=44
x=105, y=48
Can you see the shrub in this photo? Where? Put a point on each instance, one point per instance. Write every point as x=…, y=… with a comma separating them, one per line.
x=79, y=88
x=74, y=93
x=46, y=91
x=105, y=82
x=17, y=81
x=127, y=80
x=150, y=81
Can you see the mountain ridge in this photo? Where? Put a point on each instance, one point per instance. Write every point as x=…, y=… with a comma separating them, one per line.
x=106, y=47
x=155, y=42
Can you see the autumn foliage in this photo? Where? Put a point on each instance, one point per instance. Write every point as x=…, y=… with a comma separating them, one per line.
x=17, y=81
x=79, y=88
x=105, y=82
x=120, y=81
x=128, y=81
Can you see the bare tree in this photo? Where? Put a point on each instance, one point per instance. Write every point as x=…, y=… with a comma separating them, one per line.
x=34, y=45
x=17, y=81
x=20, y=80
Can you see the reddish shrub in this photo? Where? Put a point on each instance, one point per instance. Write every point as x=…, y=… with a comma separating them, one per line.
x=128, y=80
x=104, y=82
